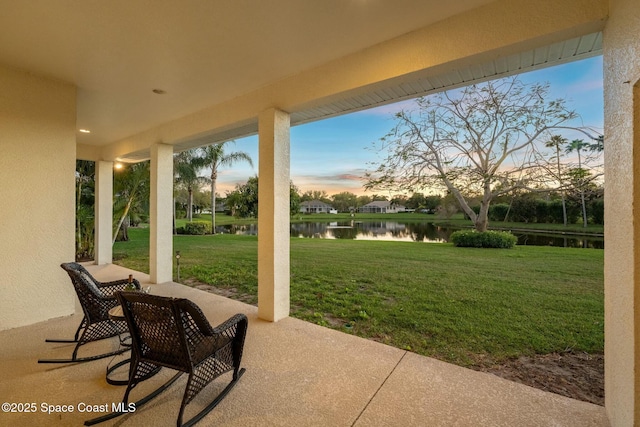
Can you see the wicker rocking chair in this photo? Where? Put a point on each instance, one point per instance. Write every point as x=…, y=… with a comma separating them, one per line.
x=174, y=333
x=96, y=299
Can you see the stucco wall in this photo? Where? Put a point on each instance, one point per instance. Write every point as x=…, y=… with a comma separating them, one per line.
x=622, y=231
x=37, y=164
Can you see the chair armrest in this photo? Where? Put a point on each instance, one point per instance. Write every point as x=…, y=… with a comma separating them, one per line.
x=203, y=324
x=235, y=329
x=228, y=324
x=206, y=339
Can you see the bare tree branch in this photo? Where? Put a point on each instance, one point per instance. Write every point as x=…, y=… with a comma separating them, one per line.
x=484, y=138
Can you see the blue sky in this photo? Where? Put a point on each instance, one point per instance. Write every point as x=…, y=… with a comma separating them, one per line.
x=334, y=154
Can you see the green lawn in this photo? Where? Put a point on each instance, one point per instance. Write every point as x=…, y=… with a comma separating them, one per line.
x=462, y=305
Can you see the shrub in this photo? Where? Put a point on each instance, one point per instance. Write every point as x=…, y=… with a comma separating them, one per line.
x=498, y=212
x=543, y=211
x=574, y=211
x=523, y=209
x=197, y=228
x=487, y=239
x=597, y=211
x=555, y=212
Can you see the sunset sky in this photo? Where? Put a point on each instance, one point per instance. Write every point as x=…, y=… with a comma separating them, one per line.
x=334, y=154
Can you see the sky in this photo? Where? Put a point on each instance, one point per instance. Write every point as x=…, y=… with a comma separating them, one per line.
x=334, y=154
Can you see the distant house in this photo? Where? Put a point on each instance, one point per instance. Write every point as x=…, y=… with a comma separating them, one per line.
x=315, y=206
x=221, y=206
x=382, y=206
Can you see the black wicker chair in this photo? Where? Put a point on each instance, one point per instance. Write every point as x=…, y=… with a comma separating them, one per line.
x=96, y=299
x=174, y=333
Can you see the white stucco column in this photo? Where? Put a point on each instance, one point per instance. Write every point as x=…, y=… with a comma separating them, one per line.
x=104, y=213
x=161, y=212
x=37, y=172
x=622, y=211
x=273, y=215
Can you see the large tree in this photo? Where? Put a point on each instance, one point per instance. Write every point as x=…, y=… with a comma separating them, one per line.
x=557, y=142
x=214, y=157
x=566, y=173
x=131, y=190
x=580, y=174
x=474, y=141
x=85, y=187
x=344, y=201
x=186, y=167
x=310, y=195
x=243, y=201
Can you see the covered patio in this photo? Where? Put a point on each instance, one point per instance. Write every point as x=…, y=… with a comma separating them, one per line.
x=298, y=374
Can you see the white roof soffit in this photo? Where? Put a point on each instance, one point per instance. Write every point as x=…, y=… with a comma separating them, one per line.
x=418, y=84
x=424, y=83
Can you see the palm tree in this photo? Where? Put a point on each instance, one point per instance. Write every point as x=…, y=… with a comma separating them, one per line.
x=213, y=156
x=578, y=145
x=556, y=142
x=187, y=166
x=85, y=183
x=131, y=185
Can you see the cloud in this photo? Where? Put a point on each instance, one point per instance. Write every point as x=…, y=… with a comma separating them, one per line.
x=333, y=187
x=583, y=94
x=228, y=186
x=349, y=177
x=332, y=183
x=586, y=86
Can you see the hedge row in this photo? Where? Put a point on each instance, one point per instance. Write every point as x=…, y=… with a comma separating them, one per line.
x=486, y=239
x=541, y=211
x=195, y=228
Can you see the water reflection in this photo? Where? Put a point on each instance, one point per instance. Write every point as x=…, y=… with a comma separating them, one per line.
x=409, y=232
x=566, y=241
x=371, y=230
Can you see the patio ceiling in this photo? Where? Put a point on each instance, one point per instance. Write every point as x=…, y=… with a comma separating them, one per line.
x=200, y=52
x=207, y=53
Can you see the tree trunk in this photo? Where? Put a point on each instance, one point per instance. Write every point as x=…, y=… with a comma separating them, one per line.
x=564, y=204
x=190, y=205
x=584, y=207
x=78, y=225
x=124, y=215
x=175, y=231
x=125, y=230
x=482, y=220
x=481, y=224
x=463, y=203
x=213, y=201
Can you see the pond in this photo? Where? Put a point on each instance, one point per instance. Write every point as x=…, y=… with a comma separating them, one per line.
x=409, y=232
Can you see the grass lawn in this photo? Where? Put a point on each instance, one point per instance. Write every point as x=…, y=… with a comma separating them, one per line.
x=462, y=305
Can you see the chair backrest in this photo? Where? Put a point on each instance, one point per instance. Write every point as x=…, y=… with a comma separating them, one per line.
x=157, y=329
x=88, y=291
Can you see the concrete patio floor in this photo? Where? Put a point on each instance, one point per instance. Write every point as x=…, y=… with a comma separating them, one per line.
x=297, y=374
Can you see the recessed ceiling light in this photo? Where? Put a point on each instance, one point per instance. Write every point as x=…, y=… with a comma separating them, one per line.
x=84, y=130
x=159, y=91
